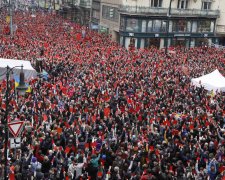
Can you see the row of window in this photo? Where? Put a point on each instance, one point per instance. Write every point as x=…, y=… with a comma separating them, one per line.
x=158, y=25
x=182, y=4
x=110, y=13
x=160, y=42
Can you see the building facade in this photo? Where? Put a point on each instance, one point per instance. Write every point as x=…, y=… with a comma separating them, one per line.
x=95, y=14
x=161, y=23
x=85, y=8
x=109, y=18
x=220, y=25
x=76, y=10
x=1, y=3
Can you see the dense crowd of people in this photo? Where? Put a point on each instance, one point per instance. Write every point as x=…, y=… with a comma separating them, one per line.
x=109, y=113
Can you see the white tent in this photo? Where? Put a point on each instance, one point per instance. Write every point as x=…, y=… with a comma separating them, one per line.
x=29, y=71
x=212, y=81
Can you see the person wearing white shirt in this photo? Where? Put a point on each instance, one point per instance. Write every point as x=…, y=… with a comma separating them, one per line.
x=79, y=166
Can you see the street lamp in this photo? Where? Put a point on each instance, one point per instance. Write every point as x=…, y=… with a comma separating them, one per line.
x=167, y=27
x=11, y=16
x=21, y=90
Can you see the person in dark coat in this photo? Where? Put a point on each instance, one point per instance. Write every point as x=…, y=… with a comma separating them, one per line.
x=46, y=165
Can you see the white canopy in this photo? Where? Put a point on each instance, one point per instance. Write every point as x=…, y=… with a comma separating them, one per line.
x=28, y=70
x=212, y=81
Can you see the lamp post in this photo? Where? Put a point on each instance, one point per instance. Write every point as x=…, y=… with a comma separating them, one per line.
x=22, y=90
x=11, y=16
x=91, y=11
x=167, y=27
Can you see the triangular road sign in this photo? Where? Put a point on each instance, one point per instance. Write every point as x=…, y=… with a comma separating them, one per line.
x=15, y=127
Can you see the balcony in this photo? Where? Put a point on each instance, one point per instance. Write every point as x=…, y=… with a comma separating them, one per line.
x=195, y=12
x=143, y=10
x=85, y=3
x=220, y=29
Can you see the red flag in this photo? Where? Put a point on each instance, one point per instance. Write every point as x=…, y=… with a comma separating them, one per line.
x=86, y=145
x=175, y=132
x=151, y=148
x=52, y=106
x=175, y=122
x=94, y=118
x=221, y=169
x=67, y=150
x=3, y=106
x=207, y=123
x=78, y=36
x=12, y=176
x=45, y=117
x=93, y=144
x=106, y=112
x=45, y=44
x=99, y=174
x=66, y=124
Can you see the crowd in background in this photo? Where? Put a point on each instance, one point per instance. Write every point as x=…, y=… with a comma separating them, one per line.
x=109, y=113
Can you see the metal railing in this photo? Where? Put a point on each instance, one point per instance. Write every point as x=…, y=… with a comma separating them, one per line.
x=164, y=11
x=220, y=29
x=195, y=12
x=142, y=9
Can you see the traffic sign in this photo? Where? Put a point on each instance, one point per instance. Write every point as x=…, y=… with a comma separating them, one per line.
x=15, y=127
x=15, y=143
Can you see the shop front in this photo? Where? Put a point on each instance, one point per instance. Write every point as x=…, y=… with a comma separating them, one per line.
x=149, y=40
x=154, y=32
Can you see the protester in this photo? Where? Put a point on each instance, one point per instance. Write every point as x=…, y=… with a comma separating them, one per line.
x=108, y=113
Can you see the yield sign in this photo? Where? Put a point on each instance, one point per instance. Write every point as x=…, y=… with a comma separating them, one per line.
x=15, y=127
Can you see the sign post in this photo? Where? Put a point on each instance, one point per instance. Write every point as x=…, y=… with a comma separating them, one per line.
x=15, y=143
x=15, y=127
